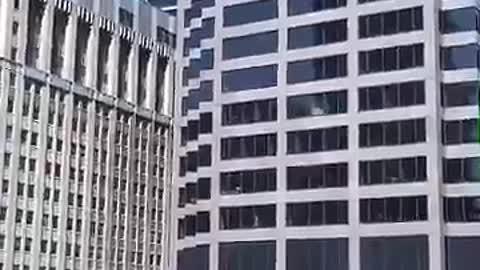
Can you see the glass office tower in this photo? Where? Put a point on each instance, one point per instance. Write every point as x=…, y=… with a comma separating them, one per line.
x=85, y=128
x=326, y=134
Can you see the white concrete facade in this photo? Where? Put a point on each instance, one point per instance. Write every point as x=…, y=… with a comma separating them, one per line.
x=435, y=227
x=92, y=193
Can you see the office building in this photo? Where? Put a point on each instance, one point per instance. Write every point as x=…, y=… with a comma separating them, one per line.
x=85, y=129
x=326, y=134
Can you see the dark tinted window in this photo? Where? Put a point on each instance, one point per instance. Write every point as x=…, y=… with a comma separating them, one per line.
x=182, y=166
x=325, y=103
x=203, y=222
x=245, y=217
x=461, y=170
x=206, y=59
x=390, y=59
x=460, y=131
x=204, y=155
x=250, y=12
x=460, y=94
x=317, y=254
x=317, y=34
x=393, y=171
x=394, y=253
x=193, y=129
x=459, y=57
x=392, y=133
x=459, y=20
x=393, y=209
x=206, y=90
x=249, y=146
x=317, y=140
x=392, y=95
x=255, y=44
x=296, y=7
x=203, y=185
x=247, y=255
x=462, y=209
x=317, y=176
x=317, y=69
x=248, y=181
x=392, y=22
x=205, y=123
x=196, y=258
x=208, y=28
x=249, y=112
x=249, y=78
x=317, y=213
x=462, y=252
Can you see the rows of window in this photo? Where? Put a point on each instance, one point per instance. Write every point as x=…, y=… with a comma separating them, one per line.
x=391, y=58
x=392, y=133
x=461, y=170
x=392, y=22
x=192, y=192
x=317, y=34
x=460, y=94
x=460, y=131
x=249, y=78
x=460, y=57
x=376, y=253
x=322, y=68
x=193, y=224
x=459, y=20
x=250, y=12
x=391, y=95
x=249, y=146
x=317, y=176
x=393, y=171
x=461, y=209
x=248, y=217
x=394, y=209
x=326, y=103
x=249, y=112
x=317, y=140
x=248, y=181
x=200, y=158
x=236, y=47
x=317, y=213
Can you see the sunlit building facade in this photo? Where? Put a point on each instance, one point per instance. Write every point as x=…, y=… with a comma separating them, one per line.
x=326, y=134
x=86, y=93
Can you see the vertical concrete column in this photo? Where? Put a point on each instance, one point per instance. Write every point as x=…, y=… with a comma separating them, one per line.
x=40, y=175
x=168, y=85
x=132, y=72
x=112, y=65
x=70, y=47
x=46, y=34
x=92, y=56
x=109, y=219
x=5, y=18
x=151, y=80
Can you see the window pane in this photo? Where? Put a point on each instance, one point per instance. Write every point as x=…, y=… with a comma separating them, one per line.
x=250, y=12
x=249, y=78
x=236, y=47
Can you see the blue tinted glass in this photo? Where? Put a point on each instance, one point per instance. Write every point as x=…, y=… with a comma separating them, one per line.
x=255, y=44
x=249, y=78
x=250, y=12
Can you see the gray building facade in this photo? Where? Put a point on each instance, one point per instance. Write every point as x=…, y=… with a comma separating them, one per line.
x=86, y=91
